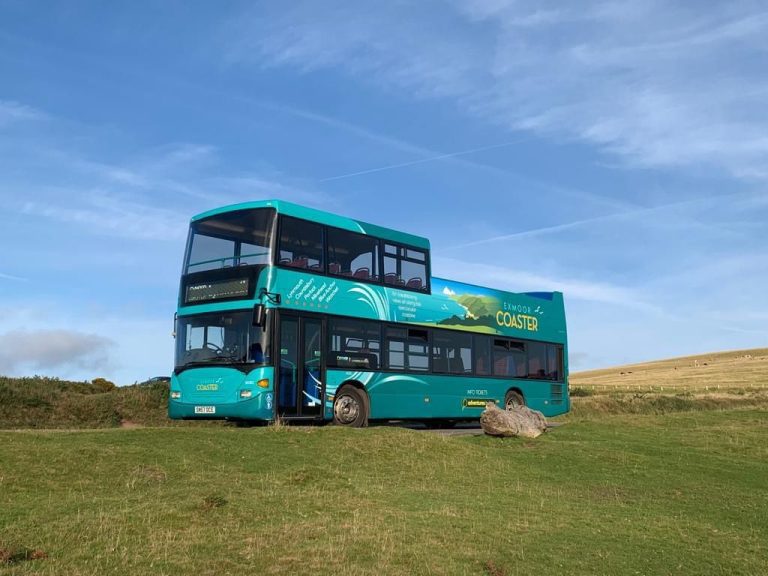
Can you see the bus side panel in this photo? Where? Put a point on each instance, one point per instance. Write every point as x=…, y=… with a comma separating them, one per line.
x=392, y=395
x=407, y=396
x=464, y=397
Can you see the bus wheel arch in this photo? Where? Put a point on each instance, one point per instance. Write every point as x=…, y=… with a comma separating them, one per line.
x=351, y=405
x=513, y=397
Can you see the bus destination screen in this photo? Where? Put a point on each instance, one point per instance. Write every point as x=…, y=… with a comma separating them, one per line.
x=216, y=290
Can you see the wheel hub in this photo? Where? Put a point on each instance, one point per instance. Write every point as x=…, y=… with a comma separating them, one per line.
x=346, y=409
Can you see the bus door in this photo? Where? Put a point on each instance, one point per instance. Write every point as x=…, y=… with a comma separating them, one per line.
x=300, y=376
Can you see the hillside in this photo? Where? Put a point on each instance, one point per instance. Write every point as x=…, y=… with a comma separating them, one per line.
x=38, y=402
x=738, y=369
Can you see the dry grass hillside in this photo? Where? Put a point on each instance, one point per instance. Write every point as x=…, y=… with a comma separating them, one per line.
x=736, y=370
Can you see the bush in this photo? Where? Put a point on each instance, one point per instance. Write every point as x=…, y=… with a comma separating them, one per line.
x=38, y=402
x=103, y=385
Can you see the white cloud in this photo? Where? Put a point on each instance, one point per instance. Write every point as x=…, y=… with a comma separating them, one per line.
x=12, y=277
x=515, y=280
x=123, y=344
x=658, y=84
x=102, y=212
x=148, y=194
x=45, y=350
x=11, y=112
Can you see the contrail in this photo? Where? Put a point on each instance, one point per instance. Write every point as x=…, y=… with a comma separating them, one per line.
x=576, y=223
x=421, y=161
x=9, y=277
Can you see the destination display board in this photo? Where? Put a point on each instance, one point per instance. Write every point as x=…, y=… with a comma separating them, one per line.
x=217, y=290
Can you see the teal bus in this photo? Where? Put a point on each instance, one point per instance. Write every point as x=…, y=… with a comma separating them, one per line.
x=290, y=313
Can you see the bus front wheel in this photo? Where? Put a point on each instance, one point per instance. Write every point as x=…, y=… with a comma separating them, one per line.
x=350, y=408
x=513, y=399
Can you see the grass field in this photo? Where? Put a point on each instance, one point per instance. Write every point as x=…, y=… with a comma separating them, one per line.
x=680, y=493
x=738, y=369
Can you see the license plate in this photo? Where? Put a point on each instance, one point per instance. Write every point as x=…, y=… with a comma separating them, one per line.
x=205, y=409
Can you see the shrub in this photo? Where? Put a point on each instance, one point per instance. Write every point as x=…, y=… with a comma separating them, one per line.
x=103, y=385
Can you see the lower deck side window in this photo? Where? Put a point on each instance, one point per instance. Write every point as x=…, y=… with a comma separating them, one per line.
x=407, y=349
x=371, y=345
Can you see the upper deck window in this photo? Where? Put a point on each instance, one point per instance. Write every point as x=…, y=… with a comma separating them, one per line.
x=301, y=244
x=405, y=267
x=236, y=238
x=353, y=255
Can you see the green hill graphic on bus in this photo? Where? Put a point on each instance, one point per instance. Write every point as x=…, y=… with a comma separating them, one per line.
x=451, y=304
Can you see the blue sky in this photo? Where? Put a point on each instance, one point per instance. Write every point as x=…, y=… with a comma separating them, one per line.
x=616, y=151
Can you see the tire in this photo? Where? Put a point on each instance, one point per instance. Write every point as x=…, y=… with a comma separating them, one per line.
x=513, y=398
x=350, y=408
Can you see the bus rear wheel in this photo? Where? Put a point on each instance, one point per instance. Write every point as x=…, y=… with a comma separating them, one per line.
x=350, y=408
x=513, y=399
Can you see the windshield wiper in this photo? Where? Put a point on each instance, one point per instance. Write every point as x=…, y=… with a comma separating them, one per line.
x=231, y=359
x=213, y=360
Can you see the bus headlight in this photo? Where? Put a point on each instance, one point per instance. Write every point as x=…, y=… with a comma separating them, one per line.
x=175, y=394
x=245, y=393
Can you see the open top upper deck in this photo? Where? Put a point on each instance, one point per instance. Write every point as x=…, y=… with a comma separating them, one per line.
x=321, y=262
x=325, y=218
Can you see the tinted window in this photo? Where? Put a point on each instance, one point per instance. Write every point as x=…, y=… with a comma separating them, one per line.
x=354, y=344
x=537, y=360
x=209, y=253
x=554, y=362
x=301, y=244
x=509, y=359
x=482, y=355
x=354, y=255
x=451, y=352
x=407, y=349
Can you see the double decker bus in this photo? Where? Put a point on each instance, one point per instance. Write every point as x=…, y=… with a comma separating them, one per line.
x=287, y=312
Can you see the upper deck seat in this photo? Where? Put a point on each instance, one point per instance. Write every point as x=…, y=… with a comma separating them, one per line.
x=414, y=283
x=334, y=268
x=390, y=278
x=363, y=273
x=300, y=262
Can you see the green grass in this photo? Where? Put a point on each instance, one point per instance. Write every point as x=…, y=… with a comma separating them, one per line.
x=38, y=402
x=584, y=404
x=681, y=493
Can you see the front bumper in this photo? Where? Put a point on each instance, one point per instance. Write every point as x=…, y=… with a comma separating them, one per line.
x=260, y=407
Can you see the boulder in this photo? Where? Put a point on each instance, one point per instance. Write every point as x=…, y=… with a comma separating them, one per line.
x=517, y=421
